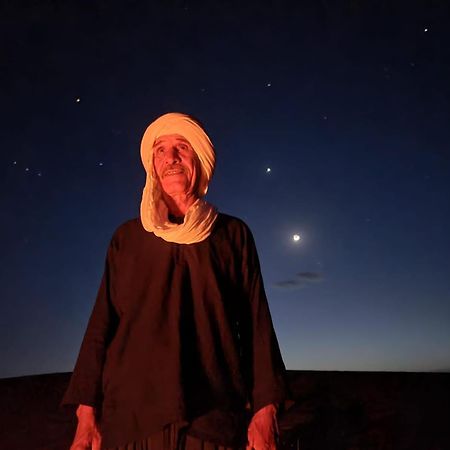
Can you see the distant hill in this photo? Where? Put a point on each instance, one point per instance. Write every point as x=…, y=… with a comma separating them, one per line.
x=331, y=410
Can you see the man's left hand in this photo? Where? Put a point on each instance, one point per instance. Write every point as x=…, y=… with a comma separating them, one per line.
x=262, y=429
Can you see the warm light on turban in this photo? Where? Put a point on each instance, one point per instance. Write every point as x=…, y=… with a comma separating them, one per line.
x=190, y=129
x=201, y=216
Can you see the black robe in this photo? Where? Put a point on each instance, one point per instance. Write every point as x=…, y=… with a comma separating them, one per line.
x=179, y=333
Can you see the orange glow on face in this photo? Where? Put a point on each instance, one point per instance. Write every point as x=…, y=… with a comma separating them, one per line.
x=176, y=164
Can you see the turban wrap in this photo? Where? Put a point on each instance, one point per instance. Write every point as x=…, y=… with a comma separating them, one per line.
x=201, y=215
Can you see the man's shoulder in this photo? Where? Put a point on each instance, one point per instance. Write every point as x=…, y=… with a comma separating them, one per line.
x=232, y=226
x=230, y=221
x=128, y=230
x=132, y=230
x=129, y=226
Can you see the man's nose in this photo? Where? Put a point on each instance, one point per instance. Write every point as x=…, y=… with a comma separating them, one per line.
x=172, y=156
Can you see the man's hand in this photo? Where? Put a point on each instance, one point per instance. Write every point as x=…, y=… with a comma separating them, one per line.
x=262, y=429
x=87, y=436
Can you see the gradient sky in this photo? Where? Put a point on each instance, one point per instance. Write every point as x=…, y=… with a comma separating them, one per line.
x=347, y=103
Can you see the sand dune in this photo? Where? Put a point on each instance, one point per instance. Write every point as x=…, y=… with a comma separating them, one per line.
x=332, y=411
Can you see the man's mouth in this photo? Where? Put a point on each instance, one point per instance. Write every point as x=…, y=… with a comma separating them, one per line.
x=176, y=171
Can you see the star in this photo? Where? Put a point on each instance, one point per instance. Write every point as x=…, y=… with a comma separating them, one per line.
x=296, y=238
x=14, y=163
x=100, y=164
x=269, y=84
x=325, y=117
x=78, y=100
x=27, y=169
x=425, y=30
x=39, y=174
x=268, y=170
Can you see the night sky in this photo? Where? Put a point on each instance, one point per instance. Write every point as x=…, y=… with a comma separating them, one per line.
x=331, y=121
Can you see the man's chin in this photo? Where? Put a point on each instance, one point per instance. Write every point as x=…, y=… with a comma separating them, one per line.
x=175, y=188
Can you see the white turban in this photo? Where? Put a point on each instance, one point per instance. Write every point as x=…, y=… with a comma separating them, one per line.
x=190, y=129
x=201, y=216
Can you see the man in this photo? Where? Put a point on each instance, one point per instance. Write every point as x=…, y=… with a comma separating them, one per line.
x=180, y=350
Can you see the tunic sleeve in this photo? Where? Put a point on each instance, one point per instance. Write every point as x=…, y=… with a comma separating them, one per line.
x=85, y=386
x=265, y=366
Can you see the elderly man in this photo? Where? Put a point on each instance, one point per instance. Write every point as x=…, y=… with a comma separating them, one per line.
x=180, y=350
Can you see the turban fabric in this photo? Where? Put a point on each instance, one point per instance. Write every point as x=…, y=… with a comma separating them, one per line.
x=201, y=215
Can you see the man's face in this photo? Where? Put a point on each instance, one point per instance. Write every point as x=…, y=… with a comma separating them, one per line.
x=176, y=164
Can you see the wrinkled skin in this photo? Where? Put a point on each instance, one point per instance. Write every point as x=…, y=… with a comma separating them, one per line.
x=178, y=170
x=263, y=429
x=87, y=435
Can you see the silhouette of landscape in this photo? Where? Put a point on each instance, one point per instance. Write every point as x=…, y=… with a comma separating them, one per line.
x=331, y=411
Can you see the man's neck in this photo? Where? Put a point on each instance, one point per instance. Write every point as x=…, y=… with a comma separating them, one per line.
x=178, y=204
x=177, y=220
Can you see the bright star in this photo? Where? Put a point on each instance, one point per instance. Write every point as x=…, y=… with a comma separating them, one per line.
x=268, y=170
x=78, y=100
x=296, y=237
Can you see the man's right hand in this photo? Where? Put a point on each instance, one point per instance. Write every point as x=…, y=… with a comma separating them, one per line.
x=87, y=436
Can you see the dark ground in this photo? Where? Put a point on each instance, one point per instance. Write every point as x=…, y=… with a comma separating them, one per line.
x=332, y=410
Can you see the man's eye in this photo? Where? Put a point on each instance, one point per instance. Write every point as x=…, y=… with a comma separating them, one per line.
x=183, y=146
x=160, y=150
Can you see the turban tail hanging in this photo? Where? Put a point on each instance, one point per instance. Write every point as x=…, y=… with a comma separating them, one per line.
x=200, y=217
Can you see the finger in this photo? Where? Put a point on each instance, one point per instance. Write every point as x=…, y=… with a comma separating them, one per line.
x=250, y=441
x=78, y=444
x=96, y=441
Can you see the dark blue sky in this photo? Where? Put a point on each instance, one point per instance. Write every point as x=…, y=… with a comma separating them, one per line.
x=349, y=106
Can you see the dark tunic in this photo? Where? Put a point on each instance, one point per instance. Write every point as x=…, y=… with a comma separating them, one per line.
x=179, y=333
